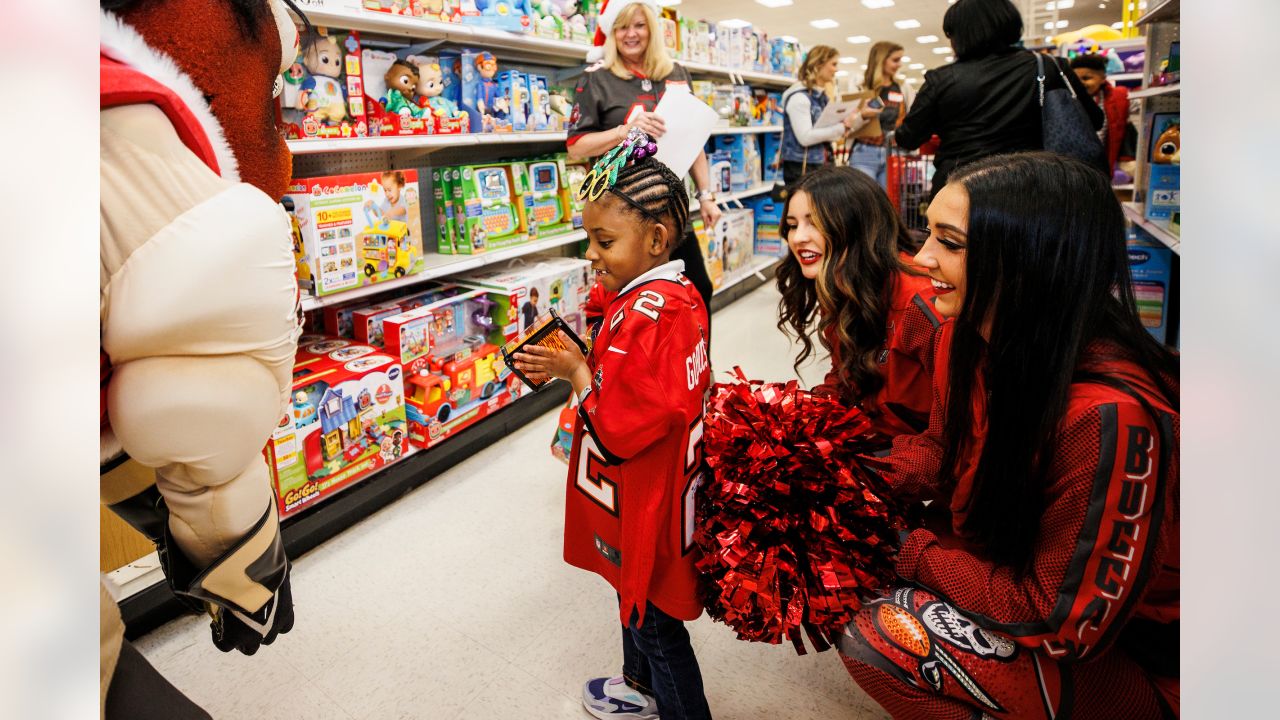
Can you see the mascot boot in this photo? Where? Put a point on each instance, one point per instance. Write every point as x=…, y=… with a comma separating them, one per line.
x=199, y=311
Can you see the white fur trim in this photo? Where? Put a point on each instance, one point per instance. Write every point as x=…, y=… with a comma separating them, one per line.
x=609, y=14
x=121, y=42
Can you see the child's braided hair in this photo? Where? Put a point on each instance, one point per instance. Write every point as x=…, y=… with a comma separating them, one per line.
x=631, y=172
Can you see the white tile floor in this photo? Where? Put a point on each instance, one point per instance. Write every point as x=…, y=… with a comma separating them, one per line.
x=455, y=603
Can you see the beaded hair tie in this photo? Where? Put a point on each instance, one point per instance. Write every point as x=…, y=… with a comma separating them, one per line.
x=604, y=174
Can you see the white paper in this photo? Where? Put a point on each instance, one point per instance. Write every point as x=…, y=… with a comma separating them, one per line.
x=689, y=122
x=836, y=111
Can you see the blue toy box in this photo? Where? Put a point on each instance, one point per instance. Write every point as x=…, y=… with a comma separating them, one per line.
x=771, y=157
x=512, y=106
x=481, y=91
x=721, y=163
x=540, y=116
x=1164, y=169
x=768, y=214
x=1151, y=264
x=511, y=15
x=744, y=160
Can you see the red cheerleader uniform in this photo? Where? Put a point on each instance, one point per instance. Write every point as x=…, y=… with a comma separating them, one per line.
x=1090, y=631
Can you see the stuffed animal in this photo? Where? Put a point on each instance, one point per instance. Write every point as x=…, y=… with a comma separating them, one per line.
x=322, y=93
x=402, y=82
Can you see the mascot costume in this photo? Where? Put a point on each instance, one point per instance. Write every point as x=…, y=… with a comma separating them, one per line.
x=199, y=314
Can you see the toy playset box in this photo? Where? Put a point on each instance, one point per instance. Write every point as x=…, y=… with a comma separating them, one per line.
x=362, y=320
x=744, y=160
x=511, y=15
x=454, y=372
x=408, y=96
x=347, y=420
x=546, y=198
x=512, y=106
x=357, y=229
x=489, y=208
x=771, y=156
x=1164, y=168
x=524, y=289
x=481, y=94
x=768, y=214
x=712, y=252
x=737, y=231
x=721, y=166
x=323, y=95
x=1151, y=265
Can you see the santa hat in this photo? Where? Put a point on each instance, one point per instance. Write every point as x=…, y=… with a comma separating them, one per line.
x=609, y=12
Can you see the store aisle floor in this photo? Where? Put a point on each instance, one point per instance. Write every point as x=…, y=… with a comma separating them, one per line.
x=455, y=603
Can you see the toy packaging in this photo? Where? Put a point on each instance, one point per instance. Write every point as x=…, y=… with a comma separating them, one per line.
x=391, y=106
x=785, y=56
x=669, y=24
x=1164, y=168
x=576, y=174
x=771, y=156
x=768, y=220
x=721, y=164
x=712, y=252
x=550, y=331
x=546, y=198
x=442, y=205
x=737, y=232
x=511, y=15
x=347, y=421
x=541, y=117
x=1151, y=265
x=323, y=95
x=524, y=289
x=512, y=106
x=487, y=109
x=341, y=320
x=395, y=7
x=489, y=208
x=744, y=160
x=358, y=229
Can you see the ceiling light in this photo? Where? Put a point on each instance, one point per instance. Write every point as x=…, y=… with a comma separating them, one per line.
x=858, y=39
x=916, y=66
x=1060, y=5
x=669, y=3
x=877, y=4
x=842, y=73
x=848, y=60
x=736, y=23
x=927, y=39
x=824, y=24
x=906, y=59
x=942, y=51
x=774, y=3
x=1117, y=26
x=950, y=58
x=906, y=24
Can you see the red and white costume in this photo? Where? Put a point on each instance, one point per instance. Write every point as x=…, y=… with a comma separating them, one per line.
x=1075, y=634
x=637, y=446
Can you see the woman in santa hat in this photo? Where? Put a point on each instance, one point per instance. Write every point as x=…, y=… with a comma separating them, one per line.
x=627, y=77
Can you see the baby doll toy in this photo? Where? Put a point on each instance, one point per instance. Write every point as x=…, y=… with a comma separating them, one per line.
x=430, y=97
x=322, y=96
x=402, y=82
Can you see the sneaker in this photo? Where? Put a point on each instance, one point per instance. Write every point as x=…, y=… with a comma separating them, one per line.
x=608, y=698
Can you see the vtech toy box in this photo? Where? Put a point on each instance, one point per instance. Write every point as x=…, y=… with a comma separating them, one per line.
x=1151, y=265
x=737, y=231
x=712, y=252
x=358, y=229
x=346, y=421
x=768, y=213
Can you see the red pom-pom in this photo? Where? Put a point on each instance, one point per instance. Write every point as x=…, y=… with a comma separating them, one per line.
x=795, y=531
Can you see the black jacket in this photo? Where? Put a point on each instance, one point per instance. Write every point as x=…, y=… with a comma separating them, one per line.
x=984, y=107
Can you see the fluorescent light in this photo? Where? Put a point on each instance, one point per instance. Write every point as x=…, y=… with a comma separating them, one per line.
x=842, y=73
x=858, y=39
x=906, y=24
x=906, y=59
x=1060, y=5
x=669, y=3
x=774, y=3
x=942, y=51
x=877, y=4
x=950, y=58
x=848, y=60
x=1117, y=26
x=916, y=66
x=736, y=23
x=1061, y=24
x=824, y=24
x=927, y=39
x=911, y=80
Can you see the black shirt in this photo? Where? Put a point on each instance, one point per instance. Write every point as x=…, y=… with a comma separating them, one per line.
x=984, y=107
x=604, y=101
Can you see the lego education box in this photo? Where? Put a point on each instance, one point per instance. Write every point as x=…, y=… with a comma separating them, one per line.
x=358, y=229
x=1151, y=265
x=346, y=421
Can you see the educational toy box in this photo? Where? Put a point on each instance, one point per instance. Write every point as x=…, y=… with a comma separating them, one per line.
x=489, y=208
x=442, y=208
x=341, y=320
x=771, y=156
x=768, y=219
x=1151, y=265
x=540, y=115
x=512, y=106
x=737, y=231
x=358, y=229
x=511, y=15
x=323, y=95
x=576, y=174
x=721, y=165
x=347, y=421
x=454, y=374
x=1164, y=169
x=525, y=289
x=744, y=160
x=712, y=252
x=395, y=7
x=546, y=198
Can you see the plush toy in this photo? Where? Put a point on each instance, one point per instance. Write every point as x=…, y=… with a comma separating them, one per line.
x=1168, y=149
x=402, y=82
x=322, y=93
x=430, y=90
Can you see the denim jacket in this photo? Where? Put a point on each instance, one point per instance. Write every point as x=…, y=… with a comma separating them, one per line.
x=792, y=150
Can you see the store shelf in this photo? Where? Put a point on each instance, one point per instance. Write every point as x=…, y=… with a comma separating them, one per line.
x=1169, y=10
x=758, y=265
x=441, y=265
x=747, y=130
x=1155, y=91
x=1125, y=77
x=748, y=75
x=1127, y=187
x=1136, y=212
x=760, y=189
x=416, y=142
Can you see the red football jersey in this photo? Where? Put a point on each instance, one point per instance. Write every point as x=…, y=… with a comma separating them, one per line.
x=637, y=446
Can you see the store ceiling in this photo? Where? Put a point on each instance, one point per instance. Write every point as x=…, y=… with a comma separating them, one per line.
x=855, y=19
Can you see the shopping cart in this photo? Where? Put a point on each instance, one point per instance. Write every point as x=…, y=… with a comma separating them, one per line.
x=908, y=176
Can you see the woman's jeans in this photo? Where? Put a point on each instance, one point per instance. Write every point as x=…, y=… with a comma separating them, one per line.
x=870, y=159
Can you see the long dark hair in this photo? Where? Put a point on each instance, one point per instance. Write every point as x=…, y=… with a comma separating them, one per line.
x=863, y=237
x=1047, y=271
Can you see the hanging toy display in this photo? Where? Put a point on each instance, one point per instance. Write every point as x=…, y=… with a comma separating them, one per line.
x=795, y=532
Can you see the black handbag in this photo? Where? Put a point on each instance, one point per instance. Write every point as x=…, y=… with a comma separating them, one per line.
x=1065, y=124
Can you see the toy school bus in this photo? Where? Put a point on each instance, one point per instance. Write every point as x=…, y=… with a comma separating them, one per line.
x=385, y=249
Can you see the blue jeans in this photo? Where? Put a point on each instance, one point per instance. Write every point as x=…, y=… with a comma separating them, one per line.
x=657, y=658
x=870, y=159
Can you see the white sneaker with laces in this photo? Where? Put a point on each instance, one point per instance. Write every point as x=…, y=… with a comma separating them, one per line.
x=609, y=698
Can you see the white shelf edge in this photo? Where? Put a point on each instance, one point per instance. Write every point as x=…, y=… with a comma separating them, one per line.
x=448, y=265
x=1125, y=77
x=1135, y=211
x=752, y=191
x=411, y=142
x=760, y=264
x=1155, y=91
x=746, y=130
x=762, y=77
x=1159, y=13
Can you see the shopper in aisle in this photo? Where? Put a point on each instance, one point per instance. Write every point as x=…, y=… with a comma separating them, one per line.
x=1117, y=132
x=849, y=277
x=637, y=435
x=805, y=147
x=199, y=316
x=620, y=91
x=1053, y=440
x=890, y=107
x=987, y=102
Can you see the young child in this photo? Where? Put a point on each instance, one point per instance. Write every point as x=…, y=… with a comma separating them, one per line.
x=849, y=273
x=394, y=206
x=637, y=448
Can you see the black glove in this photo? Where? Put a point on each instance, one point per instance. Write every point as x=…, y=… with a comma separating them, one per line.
x=246, y=633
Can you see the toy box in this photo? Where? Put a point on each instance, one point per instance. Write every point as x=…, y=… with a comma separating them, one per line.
x=539, y=105
x=744, y=160
x=323, y=95
x=340, y=320
x=358, y=229
x=511, y=15
x=771, y=156
x=547, y=198
x=525, y=289
x=712, y=252
x=391, y=96
x=1151, y=265
x=442, y=208
x=737, y=232
x=1164, y=170
x=785, y=56
x=721, y=164
x=768, y=220
x=489, y=209
x=512, y=106
x=437, y=93
x=669, y=23
x=347, y=421
x=482, y=98
x=576, y=174
x=436, y=10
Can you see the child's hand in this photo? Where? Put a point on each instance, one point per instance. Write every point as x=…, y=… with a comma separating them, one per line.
x=539, y=363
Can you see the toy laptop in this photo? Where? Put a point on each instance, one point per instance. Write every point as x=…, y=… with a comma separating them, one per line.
x=323, y=94
x=492, y=203
x=347, y=421
x=547, y=198
x=358, y=229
